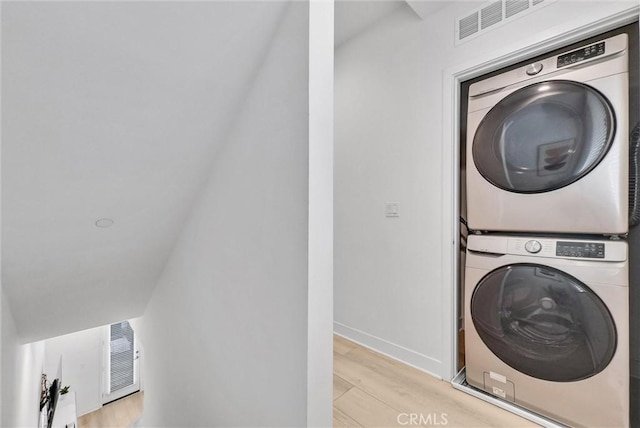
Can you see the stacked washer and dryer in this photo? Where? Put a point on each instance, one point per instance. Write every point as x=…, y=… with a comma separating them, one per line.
x=546, y=292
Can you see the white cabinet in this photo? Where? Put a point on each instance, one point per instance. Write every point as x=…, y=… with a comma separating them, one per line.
x=65, y=415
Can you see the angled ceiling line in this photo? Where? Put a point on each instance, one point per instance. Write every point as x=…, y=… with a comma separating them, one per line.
x=240, y=105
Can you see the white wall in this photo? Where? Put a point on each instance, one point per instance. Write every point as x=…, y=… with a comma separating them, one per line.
x=22, y=367
x=226, y=330
x=2, y=348
x=82, y=355
x=387, y=270
x=320, y=222
x=394, y=276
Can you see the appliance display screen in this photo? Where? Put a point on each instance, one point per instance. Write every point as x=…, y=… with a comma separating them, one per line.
x=590, y=250
x=581, y=54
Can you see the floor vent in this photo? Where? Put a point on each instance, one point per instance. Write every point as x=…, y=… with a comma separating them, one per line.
x=492, y=14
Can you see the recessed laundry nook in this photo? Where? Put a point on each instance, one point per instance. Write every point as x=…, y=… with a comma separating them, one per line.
x=288, y=213
x=550, y=203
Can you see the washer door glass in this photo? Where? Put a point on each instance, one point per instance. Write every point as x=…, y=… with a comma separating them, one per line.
x=543, y=322
x=543, y=137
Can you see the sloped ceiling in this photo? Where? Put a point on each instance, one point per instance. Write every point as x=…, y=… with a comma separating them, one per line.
x=111, y=110
x=115, y=110
x=424, y=8
x=353, y=17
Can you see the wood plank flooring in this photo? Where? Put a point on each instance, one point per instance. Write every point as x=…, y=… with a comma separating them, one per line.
x=118, y=414
x=371, y=390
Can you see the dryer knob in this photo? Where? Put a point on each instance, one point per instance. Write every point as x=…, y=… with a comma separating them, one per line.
x=533, y=69
x=533, y=246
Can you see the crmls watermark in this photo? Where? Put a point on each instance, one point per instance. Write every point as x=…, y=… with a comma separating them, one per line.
x=431, y=419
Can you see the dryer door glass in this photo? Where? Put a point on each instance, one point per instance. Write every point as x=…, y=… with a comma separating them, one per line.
x=543, y=137
x=543, y=322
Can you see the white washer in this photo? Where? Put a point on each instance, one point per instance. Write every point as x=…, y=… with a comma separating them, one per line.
x=546, y=326
x=547, y=144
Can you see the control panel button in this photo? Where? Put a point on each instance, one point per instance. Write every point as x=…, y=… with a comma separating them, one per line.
x=533, y=69
x=533, y=246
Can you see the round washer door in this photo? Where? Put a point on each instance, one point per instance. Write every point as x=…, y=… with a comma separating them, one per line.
x=543, y=322
x=544, y=136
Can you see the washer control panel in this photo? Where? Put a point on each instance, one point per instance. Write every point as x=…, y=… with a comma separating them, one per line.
x=581, y=54
x=587, y=250
x=594, y=251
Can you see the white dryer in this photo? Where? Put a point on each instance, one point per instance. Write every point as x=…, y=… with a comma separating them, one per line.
x=547, y=144
x=546, y=326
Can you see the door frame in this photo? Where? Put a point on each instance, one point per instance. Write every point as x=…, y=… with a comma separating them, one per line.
x=451, y=81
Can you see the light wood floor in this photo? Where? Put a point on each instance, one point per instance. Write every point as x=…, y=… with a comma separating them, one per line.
x=371, y=390
x=119, y=414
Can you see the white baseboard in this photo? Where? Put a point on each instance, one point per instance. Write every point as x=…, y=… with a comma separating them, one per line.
x=407, y=356
x=85, y=411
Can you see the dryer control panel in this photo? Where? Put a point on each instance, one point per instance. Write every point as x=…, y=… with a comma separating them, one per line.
x=581, y=54
x=588, y=250
x=554, y=67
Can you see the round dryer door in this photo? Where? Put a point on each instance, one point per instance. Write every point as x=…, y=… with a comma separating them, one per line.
x=543, y=322
x=543, y=137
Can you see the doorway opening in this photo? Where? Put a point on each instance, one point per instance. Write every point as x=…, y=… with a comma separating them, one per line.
x=121, y=363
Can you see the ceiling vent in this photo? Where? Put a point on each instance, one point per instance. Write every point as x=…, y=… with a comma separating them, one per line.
x=492, y=14
x=513, y=7
x=468, y=25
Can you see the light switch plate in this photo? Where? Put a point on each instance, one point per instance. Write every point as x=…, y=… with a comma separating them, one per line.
x=391, y=209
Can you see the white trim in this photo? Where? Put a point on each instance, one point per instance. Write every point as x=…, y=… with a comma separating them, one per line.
x=86, y=412
x=451, y=79
x=106, y=363
x=450, y=238
x=399, y=353
x=320, y=220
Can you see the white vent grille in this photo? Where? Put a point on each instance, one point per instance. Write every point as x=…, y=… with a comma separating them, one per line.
x=493, y=15
x=468, y=25
x=512, y=7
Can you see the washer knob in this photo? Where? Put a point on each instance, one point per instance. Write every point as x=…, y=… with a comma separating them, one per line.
x=533, y=246
x=533, y=69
